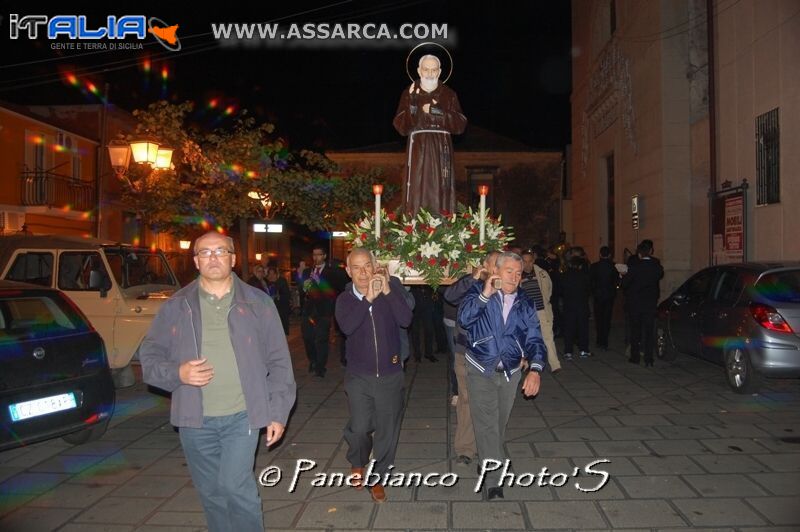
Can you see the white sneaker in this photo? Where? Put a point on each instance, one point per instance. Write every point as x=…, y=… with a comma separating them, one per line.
x=585, y=354
x=567, y=356
x=454, y=400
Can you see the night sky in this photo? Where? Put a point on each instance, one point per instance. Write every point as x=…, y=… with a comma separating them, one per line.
x=512, y=69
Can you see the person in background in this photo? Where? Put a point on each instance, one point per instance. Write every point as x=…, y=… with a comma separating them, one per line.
x=279, y=291
x=538, y=287
x=641, y=286
x=603, y=279
x=576, y=292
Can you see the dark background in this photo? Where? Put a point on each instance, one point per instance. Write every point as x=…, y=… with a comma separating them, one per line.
x=512, y=68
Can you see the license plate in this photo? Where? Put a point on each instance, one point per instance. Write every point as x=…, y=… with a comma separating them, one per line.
x=43, y=406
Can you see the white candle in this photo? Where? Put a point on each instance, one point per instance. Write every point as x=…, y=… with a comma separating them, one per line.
x=377, y=216
x=483, y=218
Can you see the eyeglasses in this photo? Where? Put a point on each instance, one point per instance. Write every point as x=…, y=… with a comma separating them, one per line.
x=219, y=252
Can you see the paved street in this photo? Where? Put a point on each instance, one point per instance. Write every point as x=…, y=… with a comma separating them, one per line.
x=685, y=453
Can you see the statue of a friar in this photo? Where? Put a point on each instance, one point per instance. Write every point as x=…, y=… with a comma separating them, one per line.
x=428, y=113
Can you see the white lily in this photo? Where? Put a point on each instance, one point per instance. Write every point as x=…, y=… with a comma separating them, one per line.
x=430, y=249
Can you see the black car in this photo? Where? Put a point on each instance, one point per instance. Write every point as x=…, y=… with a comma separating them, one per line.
x=743, y=316
x=54, y=374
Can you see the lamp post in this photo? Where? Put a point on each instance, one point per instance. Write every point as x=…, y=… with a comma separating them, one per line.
x=143, y=151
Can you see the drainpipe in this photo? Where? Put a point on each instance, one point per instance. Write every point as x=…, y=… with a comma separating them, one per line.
x=101, y=158
x=712, y=127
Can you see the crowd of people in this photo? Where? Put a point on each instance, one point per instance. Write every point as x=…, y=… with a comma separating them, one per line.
x=219, y=345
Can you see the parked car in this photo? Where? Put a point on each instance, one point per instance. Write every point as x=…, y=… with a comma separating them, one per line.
x=119, y=287
x=743, y=316
x=54, y=374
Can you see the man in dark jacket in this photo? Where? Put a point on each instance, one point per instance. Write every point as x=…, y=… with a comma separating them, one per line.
x=370, y=315
x=576, y=294
x=321, y=285
x=641, y=285
x=218, y=346
x=603, y=278
x=503, y=329
x=464, y=438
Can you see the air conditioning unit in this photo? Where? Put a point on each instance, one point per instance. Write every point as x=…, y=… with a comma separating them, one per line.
x=11, y=222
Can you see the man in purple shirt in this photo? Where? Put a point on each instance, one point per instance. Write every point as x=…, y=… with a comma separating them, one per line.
x=370, y=315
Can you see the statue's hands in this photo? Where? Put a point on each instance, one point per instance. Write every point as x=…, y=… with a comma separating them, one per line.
x=426, y=108
x=411, y=88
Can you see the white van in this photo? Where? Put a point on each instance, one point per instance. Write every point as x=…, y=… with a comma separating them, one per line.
x=119, y=287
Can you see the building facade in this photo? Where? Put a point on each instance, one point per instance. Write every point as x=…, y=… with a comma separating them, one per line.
x=672, y=101
x=47, y=177
x=524, y=183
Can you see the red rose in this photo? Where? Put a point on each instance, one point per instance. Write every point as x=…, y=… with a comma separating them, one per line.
x=432, y=261
x=392, y=216
x=430, y=230
x=363, y=236
x=455, y=266
x=466, y=215
x=474, y=230
x=410, y=264
x=408, y=229
x=445, y=212
x=469, y=247
x=443, y=262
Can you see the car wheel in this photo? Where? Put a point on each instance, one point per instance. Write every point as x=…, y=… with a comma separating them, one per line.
x=86, y=435
x=123, y=377
x=664, y=350
x=739, y=371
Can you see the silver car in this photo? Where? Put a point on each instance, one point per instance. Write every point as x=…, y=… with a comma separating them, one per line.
x=745, y=317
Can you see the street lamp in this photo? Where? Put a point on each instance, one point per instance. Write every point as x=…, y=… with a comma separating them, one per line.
x=143, y=151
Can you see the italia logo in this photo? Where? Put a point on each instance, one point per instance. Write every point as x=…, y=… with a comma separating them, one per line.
x=76, y=27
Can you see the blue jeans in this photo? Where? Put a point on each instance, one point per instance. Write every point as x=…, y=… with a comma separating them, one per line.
x=221, y=457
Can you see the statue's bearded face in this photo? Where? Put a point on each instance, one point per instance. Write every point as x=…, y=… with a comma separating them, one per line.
x=429, y=72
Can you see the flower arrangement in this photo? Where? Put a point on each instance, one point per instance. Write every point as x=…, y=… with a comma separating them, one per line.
x=435, y=247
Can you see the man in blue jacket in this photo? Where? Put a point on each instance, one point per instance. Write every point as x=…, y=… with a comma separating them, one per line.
x=370, y=315
x=502, y=330
x=219, y=347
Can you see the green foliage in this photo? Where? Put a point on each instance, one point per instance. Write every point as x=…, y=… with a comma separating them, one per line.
x=214, y=173
x=432, y=246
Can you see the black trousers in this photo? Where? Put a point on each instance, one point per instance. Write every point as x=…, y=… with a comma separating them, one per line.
x=642, y=322
x=603, y=309
x=422, y=332
x=576, y=327
x=316, y=333
x=376, y=411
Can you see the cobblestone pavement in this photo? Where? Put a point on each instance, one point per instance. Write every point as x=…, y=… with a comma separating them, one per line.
x=684, y=453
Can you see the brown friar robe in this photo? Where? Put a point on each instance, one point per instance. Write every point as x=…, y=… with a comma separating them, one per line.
x=429, y=179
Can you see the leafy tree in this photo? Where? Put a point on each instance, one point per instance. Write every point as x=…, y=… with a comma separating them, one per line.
x=216, y=175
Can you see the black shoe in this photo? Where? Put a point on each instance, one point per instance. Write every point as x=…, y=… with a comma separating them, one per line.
x=311, y=368
x=494, y=493
x=463, y=459
x=431, y=358
x=648, y=363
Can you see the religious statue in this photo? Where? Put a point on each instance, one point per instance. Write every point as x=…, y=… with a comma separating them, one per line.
x=428, y=113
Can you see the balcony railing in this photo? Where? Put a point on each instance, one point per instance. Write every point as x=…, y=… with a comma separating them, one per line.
x=54, y=190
